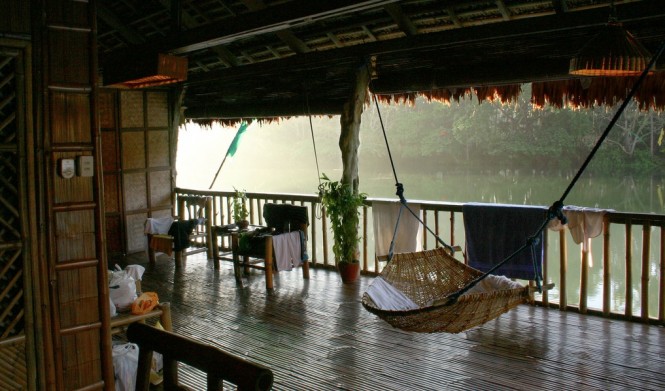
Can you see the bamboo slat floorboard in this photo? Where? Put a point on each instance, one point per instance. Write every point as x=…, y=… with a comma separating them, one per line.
x=315, y=335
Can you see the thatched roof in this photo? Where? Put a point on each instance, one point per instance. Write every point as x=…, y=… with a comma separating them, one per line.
x=266, y=59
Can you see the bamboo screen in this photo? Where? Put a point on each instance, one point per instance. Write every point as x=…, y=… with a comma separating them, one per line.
x=13, y=372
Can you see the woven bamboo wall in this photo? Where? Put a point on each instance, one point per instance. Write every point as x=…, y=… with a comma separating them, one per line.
x=74, y=271
x=138, y=169
x=12, y=291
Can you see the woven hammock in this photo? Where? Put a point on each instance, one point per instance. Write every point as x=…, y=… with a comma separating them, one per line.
x=429, y=278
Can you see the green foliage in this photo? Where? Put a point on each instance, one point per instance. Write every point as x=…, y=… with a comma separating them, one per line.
x=342, y=204
x=240, y=212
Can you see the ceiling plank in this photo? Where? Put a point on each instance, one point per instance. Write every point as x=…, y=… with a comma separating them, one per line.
x=270, y=20
x=128, y=33
x=506, y=31
x=403, y=21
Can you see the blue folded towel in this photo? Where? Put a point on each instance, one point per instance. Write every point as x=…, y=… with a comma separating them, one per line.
x=494, y=231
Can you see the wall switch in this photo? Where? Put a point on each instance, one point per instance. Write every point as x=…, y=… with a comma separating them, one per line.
x=67, y=168
x=85, y=166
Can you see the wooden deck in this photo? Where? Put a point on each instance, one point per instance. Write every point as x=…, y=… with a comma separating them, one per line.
x=315, y=335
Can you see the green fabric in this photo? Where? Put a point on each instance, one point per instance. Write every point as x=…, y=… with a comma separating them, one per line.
x=236, y=140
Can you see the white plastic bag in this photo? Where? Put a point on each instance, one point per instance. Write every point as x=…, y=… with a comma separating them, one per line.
x=112, y=307
x=122, y=289
x=125, y=364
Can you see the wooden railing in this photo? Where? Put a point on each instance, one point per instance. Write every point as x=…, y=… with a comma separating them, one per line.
x=627, y=281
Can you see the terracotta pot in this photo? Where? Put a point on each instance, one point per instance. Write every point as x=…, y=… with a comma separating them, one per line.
x=242, y=224
x=349, y=271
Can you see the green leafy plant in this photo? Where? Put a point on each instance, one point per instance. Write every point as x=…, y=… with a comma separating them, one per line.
x=240, y=212
x=341, y=205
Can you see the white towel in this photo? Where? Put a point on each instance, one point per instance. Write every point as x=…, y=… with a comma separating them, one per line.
x=408, y=238
x=387, y=297
x=493, y=283
x=158, y=225
x=583, y=223
x=287, y=250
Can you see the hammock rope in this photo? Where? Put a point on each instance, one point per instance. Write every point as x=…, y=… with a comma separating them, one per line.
x=555, y=211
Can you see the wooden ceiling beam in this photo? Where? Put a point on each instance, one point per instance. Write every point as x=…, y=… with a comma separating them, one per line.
x=515, y=72
x=290, y=108
x=403, y=21
x=127, y=32
x=270, y=20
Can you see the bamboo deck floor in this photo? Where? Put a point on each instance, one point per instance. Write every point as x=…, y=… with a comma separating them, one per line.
x=315, y=335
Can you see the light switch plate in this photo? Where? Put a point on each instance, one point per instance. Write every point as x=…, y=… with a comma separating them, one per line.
x=85, y=165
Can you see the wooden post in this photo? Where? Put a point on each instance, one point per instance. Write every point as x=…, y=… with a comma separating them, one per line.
x=349, y=139
x=646, y=252
x=563, y=267
x=607, y=281
x=210, y=238
x=629, y=271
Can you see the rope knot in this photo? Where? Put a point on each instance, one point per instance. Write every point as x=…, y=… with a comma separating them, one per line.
x=556, y=210
x=400, y=192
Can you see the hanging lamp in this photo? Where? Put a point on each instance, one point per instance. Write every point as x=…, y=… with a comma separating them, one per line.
x=612, y=52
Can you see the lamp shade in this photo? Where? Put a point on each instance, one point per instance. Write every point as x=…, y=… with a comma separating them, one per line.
x=611, y=52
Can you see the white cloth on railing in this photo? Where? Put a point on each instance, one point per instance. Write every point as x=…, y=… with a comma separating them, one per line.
x=288, y=251
x=387, y=297
x=408, y=238
x=158, y=225
x=583, y=223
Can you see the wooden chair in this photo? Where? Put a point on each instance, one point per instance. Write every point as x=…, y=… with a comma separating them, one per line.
x=219, y=366
x=280, y=219
x=199, y=240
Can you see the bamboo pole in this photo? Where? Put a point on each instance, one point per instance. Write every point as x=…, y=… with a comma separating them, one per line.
x=563, y=266
x=584, y=275
x=607, y=272
x=646, y=253
x=629, y=272
x=365, y=258
x=661, y=289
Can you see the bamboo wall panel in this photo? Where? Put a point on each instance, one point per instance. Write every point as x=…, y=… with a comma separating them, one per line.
x=110, y=151
x=68, y=57
x=11, y=243
x=135, y=191
x=158, y=148
x=81, y=362
x=106, y=107
x=135, y=225
x=75, y=235
x=13, y=371
x=160, y=188
x=76, y=189
x=17, y=18
x=111, y=193
x=72, y=13
x=131, y=109
x=70, y=117
x=77, y=290
x=158, y=114
x=133, y=150
x=113, y=234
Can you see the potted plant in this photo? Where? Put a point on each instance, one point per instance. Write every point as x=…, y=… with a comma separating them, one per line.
x=240, y=212
x=341, y=204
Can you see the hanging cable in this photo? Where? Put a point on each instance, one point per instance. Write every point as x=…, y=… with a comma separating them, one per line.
x=317, y=212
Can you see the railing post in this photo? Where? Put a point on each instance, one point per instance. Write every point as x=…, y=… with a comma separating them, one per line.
x=563, y=267
x=646, y=252
x=628, y=311
x=607, y=272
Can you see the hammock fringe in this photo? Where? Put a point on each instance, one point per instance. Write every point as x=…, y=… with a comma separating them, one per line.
x=428, y=278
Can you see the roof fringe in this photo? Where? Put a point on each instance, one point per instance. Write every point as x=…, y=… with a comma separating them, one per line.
x=572, y=93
